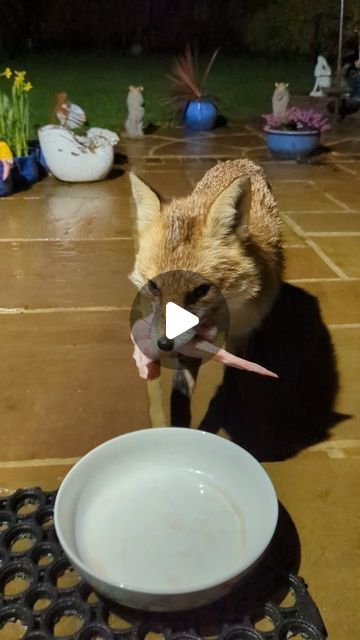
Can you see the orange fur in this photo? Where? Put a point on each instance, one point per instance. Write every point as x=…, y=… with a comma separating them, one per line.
x=228, y=230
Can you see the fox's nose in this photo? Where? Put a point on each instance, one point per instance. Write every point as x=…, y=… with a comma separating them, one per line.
x=165, y=344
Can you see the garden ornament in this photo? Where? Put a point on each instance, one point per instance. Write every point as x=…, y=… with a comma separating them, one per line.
x=322, y=73
x=69, y=115
x=280, y=99
x=134, y=121
x=74, y=158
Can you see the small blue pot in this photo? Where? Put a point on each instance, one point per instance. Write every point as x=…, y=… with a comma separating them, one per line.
x=200, y=115
x=6, y=186
x=34, y=146
x=25, y=170
x=291, y=145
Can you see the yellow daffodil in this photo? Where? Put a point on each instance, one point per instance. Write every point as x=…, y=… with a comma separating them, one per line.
x=7, y=73
x=21, y=75
x=5, y=153
x=18, y=81
x=19, y=78
x=14, y=117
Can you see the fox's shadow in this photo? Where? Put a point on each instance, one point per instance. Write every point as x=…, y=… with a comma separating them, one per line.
x=274, y=419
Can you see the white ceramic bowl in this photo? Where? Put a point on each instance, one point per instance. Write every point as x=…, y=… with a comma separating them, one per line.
x=165, y=519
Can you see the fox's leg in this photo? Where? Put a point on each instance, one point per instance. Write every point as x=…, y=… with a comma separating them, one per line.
x=182, y=387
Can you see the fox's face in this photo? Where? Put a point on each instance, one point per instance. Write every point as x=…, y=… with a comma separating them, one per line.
x=192, y=253
x=192, y=292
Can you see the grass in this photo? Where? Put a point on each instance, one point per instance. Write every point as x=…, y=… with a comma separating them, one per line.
x=243, y=86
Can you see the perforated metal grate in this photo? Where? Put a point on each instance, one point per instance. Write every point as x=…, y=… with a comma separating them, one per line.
x=41, y=596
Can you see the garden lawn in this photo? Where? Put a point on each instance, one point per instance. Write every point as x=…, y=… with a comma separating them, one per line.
x=99, y=83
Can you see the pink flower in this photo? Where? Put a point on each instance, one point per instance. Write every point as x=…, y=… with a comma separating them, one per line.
x=297, y=119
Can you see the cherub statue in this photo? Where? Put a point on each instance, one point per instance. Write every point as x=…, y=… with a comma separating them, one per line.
x=322, y=73
x=280, y=99
x=69, y=115
x=134, y=121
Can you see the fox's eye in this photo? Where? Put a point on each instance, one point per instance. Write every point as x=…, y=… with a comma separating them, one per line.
x=201, y=290
x=197, y=293
x=153, y=288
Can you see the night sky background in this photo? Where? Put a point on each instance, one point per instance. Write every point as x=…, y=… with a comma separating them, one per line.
x=136, y=27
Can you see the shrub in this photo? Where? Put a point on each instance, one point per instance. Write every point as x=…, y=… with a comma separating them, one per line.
x=294, y=26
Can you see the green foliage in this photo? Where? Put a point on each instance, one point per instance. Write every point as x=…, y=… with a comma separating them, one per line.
x=242, y=86
x=14, y=112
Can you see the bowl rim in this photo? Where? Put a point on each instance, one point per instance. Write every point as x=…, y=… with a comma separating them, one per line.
x=170, y=591
x=295, y=132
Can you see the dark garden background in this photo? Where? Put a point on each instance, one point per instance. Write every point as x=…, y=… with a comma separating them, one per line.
x=270, y=27
x=94, y=49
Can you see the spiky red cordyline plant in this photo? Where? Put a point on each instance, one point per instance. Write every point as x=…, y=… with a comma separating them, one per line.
x=186, y=84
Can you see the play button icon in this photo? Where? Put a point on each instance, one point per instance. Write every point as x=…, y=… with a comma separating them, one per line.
x=178, y=320
x=173, y=309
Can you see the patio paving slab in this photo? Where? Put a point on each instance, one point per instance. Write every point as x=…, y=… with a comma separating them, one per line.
x=339, y=299
x=66, y=219
x=304, y=196
x=304, y=263
x=51, y=274
x=327, y=223
x=344, y=253
x=66, y=383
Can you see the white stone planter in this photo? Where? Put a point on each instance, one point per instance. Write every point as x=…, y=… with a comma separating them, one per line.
x=73, y=158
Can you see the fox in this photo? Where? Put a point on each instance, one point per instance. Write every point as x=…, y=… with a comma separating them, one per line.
x=227, y=232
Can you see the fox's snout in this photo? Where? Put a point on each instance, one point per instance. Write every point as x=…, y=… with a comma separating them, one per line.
x=159, y=337
x=165, y=344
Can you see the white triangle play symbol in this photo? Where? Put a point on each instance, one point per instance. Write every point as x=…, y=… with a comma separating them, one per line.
x=178, y=320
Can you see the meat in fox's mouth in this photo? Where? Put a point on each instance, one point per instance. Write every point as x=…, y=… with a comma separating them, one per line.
x=206, y=331
x=148, y=361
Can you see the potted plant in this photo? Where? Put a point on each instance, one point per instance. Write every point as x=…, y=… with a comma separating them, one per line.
x=14, y=127
x=78, y=158
x=199, y=112
x=72, y=153
x=294, y=135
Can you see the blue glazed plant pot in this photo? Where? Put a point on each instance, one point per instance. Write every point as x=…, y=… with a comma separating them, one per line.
x=6, y=186
x=200, y=115
x=34, y=146
x=26, y=170
x=291, y=145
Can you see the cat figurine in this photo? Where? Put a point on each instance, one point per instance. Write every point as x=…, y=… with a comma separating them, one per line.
x=280, y=99
x=135, y=104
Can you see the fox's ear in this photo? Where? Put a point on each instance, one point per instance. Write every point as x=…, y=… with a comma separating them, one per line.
x=147, y=202
x=230, y=211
